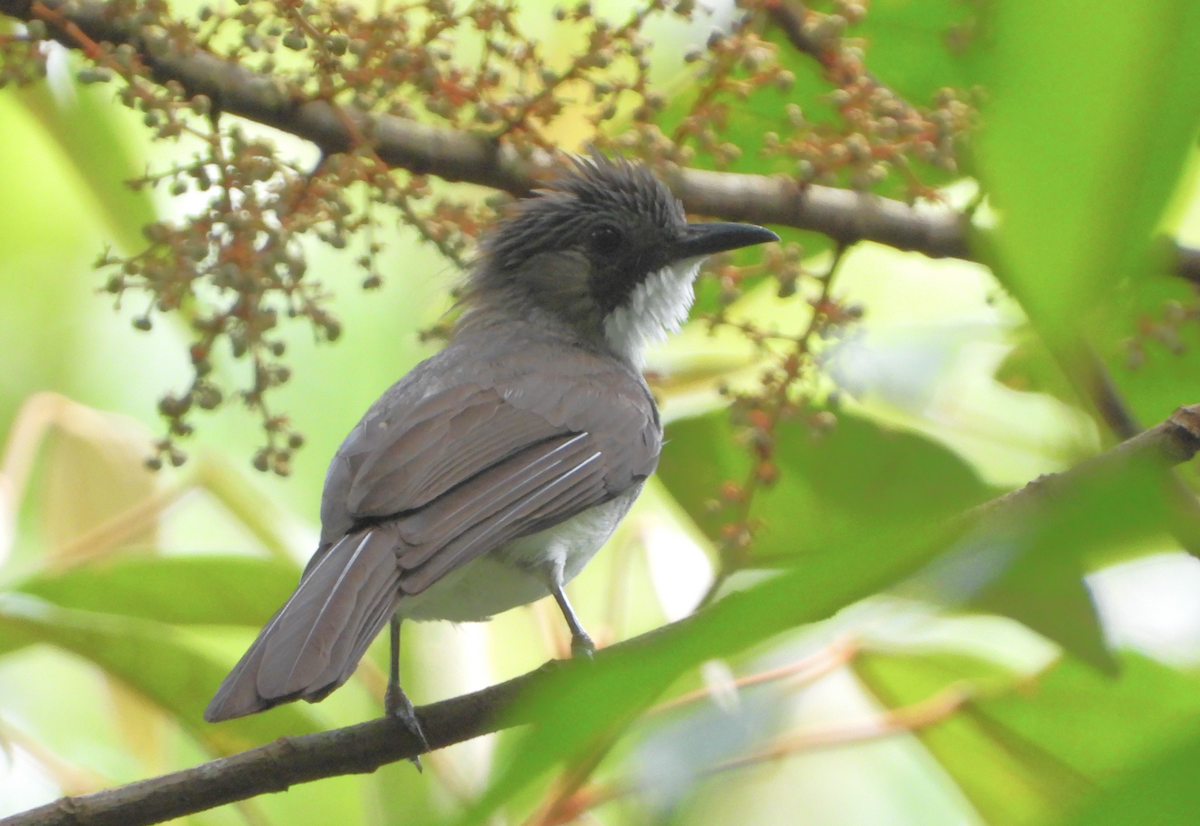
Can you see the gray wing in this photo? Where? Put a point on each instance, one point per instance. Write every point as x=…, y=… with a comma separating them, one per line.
x=431, y=478
x=473, y=466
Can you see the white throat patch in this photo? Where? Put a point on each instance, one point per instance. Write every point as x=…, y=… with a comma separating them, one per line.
x=657, y=306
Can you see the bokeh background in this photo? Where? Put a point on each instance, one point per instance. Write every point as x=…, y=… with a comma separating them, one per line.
x=125, y=595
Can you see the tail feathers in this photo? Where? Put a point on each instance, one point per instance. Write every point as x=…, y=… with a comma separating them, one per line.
x=314, y=642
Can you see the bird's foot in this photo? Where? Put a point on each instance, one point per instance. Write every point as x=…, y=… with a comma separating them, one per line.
x=582, y=646
x=397, y=706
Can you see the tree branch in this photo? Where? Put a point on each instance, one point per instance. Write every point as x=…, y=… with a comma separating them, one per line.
x=456, y=155
x=365, y=747
x=274, y=767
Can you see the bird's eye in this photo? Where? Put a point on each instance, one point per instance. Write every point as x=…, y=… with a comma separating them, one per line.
x=606, y=240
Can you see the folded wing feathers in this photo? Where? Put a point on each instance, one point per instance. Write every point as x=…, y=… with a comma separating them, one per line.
x=397, y=475
x=492, y=492
x=570, y=491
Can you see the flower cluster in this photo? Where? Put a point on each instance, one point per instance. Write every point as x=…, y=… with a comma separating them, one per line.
x=236, y=269
x=879, y=133
x=23, y=54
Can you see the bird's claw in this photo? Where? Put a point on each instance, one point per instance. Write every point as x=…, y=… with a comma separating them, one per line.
x=582, y=647
x=397, y=706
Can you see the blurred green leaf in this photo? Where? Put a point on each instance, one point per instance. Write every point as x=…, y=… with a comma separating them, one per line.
x=1028, y=562
x=199, y=590
x=909, y=45
x=583, y=702
x=1106, y=517
x=1046, y=591
x=90, y=132
x=1007, y=780
x=1030, y=368
x=1034, y=752
x=47, y=234
x=1096, y=726
x=1090, y=117
x=1158, y=372
x=405, y=796
x=1152, y=358
x=1164, y=792
x=859, y=479
x=152, y=659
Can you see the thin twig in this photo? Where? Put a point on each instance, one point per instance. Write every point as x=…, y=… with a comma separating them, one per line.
x=797, y=361
x=893, y=721
x=941, y=706
x=803, y=671
x=570, y=795
x=1121, y=420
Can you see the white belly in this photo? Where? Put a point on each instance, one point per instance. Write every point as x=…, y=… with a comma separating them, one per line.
x=518, y=573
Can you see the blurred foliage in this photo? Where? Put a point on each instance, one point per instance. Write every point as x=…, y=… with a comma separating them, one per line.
x=831, y=417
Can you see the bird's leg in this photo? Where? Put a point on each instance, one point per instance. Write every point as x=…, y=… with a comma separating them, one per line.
x=395, y=702
x=581, y=643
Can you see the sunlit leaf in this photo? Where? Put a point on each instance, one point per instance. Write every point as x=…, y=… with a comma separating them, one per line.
x=151, y=658
x=92, y=135
x=201, y=590
x=858, y=478
x=1163, y=792
x=1097, y=726
x=1091, y=114
x=1006, y=780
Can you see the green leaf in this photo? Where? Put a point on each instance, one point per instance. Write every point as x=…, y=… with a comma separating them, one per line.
x=1092, y=113
x=88, y=129
x=1008, y=781
x=1164, y=792
x=1095, y=726
x=1028, y=562
x=583, y=702
x=858, y=480
x=908, y=45
x=1159, y=373
x=1030, y=368
x=198, y=590
x=1152, y=358
x=152, y=658
x=1035, y=752
x=1046, y=592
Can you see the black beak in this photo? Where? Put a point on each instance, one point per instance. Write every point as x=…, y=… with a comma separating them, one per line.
x=707, y=239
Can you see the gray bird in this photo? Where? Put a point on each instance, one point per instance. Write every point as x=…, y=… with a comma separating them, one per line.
x=488, y=476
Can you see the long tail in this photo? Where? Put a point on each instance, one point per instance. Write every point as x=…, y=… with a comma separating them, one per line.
x=313, y=643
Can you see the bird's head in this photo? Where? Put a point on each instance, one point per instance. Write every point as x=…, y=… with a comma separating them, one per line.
x=607, y=249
